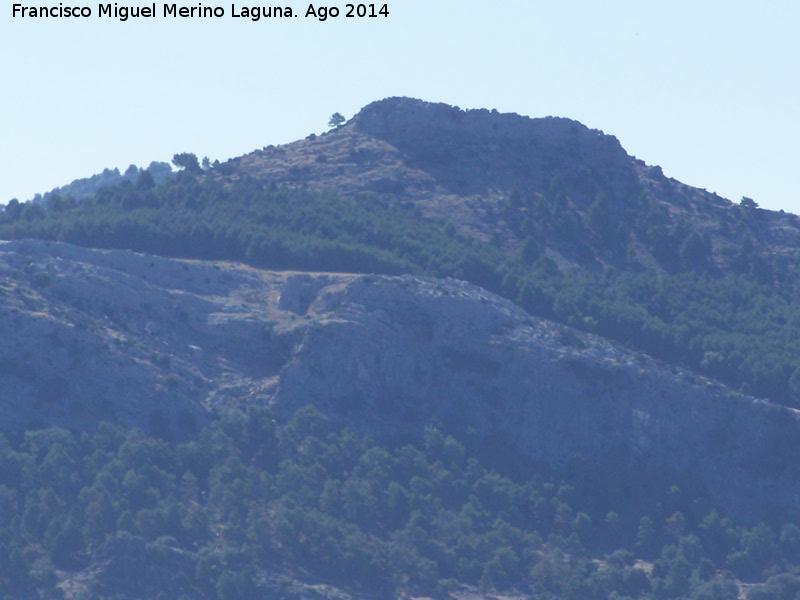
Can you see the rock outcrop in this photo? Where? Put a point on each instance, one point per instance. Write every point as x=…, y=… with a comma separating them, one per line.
x=388, y=355
x=450, y=164
x=461, y=166
x=139, y=340
x=163, y=344
x=473, y=151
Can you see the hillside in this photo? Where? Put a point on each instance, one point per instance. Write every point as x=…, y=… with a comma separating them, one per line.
x=505, y=445
x=165, y=345
x=545, y=212
x=431, y=352
x=487, y=173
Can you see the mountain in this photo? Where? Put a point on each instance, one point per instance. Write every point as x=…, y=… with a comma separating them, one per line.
x=545, y=212
x=466, y=167
x=524, y=349
x=164, y=345
x=170, y=346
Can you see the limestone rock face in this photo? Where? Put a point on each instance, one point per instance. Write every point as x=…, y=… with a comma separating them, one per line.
x=139, y=340
x=388, y=355
x=163, y=344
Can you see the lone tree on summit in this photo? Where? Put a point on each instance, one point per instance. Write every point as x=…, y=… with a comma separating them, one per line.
x=336, y=120
x=187, y=161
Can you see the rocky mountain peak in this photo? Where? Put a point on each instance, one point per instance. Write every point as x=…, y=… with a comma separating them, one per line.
x=407, y=119
x=480, y=149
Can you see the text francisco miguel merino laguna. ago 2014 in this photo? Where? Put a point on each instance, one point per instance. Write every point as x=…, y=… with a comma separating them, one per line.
x=123, y=13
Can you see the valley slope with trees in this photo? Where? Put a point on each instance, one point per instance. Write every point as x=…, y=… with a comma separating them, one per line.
x=546, y=213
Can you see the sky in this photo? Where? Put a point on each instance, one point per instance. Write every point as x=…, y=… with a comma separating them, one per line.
x=708, y=90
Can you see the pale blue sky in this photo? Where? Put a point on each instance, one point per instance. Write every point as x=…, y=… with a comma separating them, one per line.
x=708, y=90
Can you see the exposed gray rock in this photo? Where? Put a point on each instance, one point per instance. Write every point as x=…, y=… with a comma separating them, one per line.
x=162, y=344
x=389, y=354
x=138, y=340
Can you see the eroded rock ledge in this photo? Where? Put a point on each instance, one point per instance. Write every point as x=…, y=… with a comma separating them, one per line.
x=164, y=344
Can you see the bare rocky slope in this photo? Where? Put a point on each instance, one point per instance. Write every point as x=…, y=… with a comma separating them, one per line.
x=164, y=344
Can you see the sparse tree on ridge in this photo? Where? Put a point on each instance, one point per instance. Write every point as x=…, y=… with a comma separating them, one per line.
x=748, y=203
x=188, y=161
x=337, y=119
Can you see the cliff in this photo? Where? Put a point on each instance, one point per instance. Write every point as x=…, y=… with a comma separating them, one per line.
x=163, y=344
